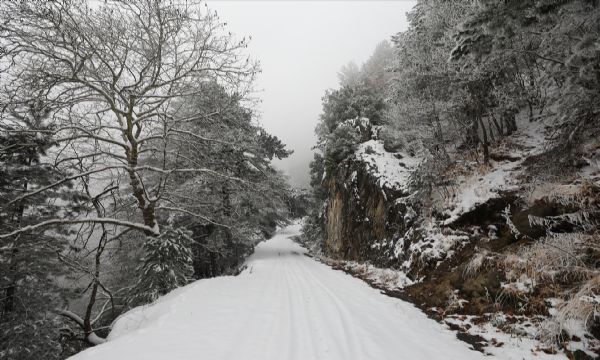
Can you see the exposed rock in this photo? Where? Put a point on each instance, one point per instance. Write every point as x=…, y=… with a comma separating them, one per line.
x=361, y=217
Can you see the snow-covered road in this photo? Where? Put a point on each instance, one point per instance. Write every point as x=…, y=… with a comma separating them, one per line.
x=284, y=306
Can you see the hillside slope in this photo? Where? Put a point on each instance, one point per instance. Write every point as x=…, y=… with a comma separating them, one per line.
x=506, y=242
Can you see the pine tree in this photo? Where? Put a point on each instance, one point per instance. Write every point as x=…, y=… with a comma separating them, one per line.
x=28, y=261
x=167, y=265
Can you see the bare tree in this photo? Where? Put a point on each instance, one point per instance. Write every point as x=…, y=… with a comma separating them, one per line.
x=117, y=76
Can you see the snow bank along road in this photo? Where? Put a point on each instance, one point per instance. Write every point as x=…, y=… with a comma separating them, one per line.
x=283, y=306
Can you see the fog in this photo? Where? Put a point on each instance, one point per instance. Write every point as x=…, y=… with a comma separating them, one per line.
x=301, y=45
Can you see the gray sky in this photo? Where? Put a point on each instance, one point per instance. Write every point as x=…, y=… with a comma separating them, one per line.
x=301, y=45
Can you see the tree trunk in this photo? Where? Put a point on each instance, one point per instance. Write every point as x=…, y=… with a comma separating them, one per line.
x=147, y=208
x=511, y=124
x=213, y=265
x=9, y=299
x=473, y=133
x=530, y=105
x=498, y=126
x=87, y=320
x=486, y=150
x=227, y=212
x=10, y=292
x=491, y=130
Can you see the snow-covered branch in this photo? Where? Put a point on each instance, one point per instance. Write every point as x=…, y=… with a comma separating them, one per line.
x=53, y=222
x=62, y=181
x=90, y=337
x=192, y=214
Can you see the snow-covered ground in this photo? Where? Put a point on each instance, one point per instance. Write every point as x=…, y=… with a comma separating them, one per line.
x=486, y=182
x=392, y=170
x=283, y=306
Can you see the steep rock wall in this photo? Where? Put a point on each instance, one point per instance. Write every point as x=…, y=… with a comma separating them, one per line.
x=362, y=216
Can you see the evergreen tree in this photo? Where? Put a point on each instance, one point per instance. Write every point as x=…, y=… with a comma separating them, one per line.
x=549, y=46
x=167, y=265
x=29, y=264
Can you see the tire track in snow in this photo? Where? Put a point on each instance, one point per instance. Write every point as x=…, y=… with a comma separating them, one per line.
x=252, y=317
x=284, y=307
x=348, y=342
x=298, y=320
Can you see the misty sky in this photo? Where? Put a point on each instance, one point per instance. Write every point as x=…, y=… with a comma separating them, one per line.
x=301, y=45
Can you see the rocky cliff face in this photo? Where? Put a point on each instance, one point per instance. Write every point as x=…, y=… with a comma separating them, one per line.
x=370, y=211
x=372, y=216
x=360, y=214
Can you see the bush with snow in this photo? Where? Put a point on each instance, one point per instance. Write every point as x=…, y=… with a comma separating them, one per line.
x=167, y=265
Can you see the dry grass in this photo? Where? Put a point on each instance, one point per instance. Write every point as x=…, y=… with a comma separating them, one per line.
x=481, y=260
x=579, y=312
x=453, y=302
x=564, y=263
x=585, y=196
x=388, y=279
x=555, y=258
x=517, y=297
x=583, y=306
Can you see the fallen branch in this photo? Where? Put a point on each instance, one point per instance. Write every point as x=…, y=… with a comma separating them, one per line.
x=90, y=336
